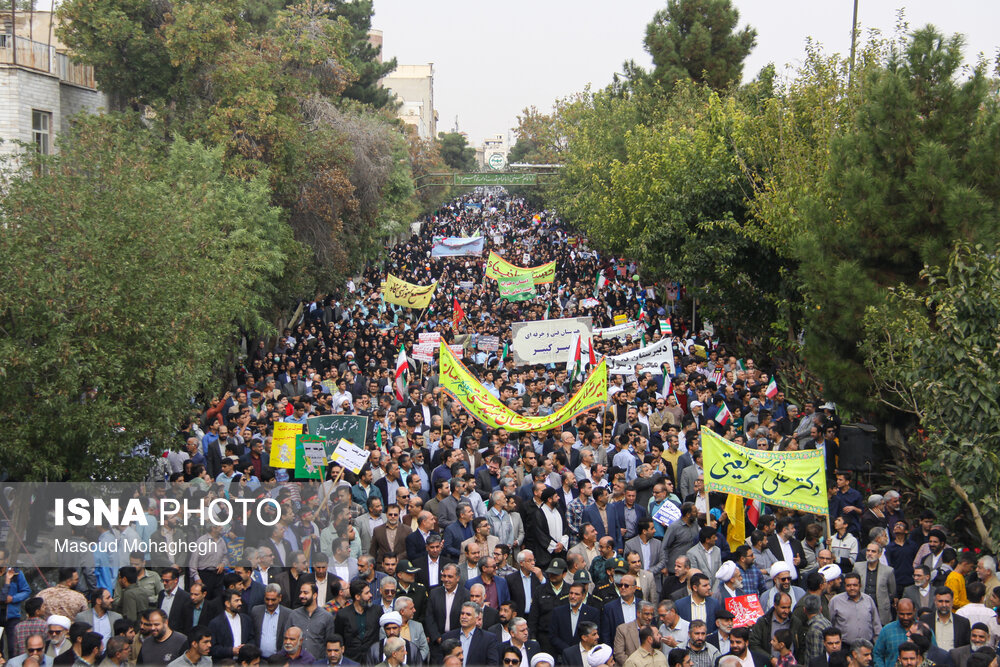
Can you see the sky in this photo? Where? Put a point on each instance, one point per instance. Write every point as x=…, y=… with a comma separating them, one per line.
x=493, y=59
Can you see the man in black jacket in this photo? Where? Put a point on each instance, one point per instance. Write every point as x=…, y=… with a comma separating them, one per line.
x=358, y=624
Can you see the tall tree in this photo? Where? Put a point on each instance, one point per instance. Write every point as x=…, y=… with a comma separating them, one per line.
x=915, y=170
x=362, y=56
x=129, y=267
x=697, y=40
x=934, y=355
x=456, y=151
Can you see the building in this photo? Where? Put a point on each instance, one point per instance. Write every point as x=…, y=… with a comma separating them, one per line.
x=492, y=155
x=414, y=89
x=41, y=89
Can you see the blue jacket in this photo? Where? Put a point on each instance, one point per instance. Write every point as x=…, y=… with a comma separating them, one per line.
x=618, y=510
x=591, y=515
x=503, y=593
x=683, y=607
x=19, y=591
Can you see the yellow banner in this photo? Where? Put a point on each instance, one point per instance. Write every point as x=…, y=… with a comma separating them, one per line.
x=283, y=444
x=407, y=294
x=498, y=267
x=457, y=382
x=788, y=479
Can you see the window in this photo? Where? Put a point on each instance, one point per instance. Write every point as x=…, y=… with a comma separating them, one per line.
x=41, y=133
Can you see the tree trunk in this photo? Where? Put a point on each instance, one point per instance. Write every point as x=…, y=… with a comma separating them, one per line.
x=977, y=518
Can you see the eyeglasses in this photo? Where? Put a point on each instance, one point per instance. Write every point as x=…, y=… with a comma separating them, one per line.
x=623, y=585
x=35, y=650
x=56, y=632
x=506, y=661
x=784, y=579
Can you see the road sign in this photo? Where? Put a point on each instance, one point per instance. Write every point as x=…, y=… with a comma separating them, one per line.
x=497, y=161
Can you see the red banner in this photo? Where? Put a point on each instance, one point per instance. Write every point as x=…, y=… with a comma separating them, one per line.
x=746, y=609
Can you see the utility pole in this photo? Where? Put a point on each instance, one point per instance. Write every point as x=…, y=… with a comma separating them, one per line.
x=854, y=37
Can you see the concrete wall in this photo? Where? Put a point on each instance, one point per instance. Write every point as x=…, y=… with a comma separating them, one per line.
x=414, y=87
x=23, y=90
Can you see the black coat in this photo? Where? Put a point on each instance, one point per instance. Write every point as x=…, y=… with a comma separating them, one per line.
x=483, y=650
x=963, y=629
x=175, y=619
x=561, y=635
x=434, y=621
x=222, y=635
x=517, y=590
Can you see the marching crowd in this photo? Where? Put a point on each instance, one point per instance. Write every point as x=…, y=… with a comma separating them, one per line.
x=462, y=545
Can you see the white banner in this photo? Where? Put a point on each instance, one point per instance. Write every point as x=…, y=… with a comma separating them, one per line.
x=619, y=330
x=488, y=343
x=651, y=358
x=424, y=351
x=432, y=338
x=547, y=341
x=457, y=246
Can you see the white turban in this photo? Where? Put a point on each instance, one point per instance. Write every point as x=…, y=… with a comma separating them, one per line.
x=830, y=572
x=61, y=621
x=726, y=572
x=539, y=658
x=778, y=568
x=391, y=617
x=599, y=655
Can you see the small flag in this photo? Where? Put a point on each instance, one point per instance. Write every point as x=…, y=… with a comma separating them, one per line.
x=573, y=363
x=753, y=511
x=378, y=437
x=547, y=309
x=642, y=336
x=601, y=282
x=590, y=351
x=503, y=355
x=665, y=328
x=668, y=382
x=736, y=533
x=742, y=365
x=772, y=388
x=717, y=378
x=402, y=370
x=723, y=415
x=457, y=314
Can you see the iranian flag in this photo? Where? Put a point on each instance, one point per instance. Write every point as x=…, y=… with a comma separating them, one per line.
x=601, y=282
x=504, y=354
x=665, y=327
x=402, y=371
x=457, y=314
x=547, y=309
x=772, y=388
x=574, y=363
x=668, y=382
x=723, y=416
x=753, y=511
x=742, y=365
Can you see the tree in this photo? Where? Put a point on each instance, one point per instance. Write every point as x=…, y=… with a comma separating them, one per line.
x=913, y=171
x=363, y=57
x=696, y=40
x=129, y=266
x=934, y=354
x=456, y=152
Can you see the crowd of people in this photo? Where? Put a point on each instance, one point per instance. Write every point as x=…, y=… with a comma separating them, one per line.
x=461, y=545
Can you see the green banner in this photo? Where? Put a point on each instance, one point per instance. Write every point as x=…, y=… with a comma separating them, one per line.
x=788, y=479
x=310, y=456
x=335, y=427
x=517, y=288
x=496, y=179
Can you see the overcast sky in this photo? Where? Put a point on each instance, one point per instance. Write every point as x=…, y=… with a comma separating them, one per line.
x=492, y=59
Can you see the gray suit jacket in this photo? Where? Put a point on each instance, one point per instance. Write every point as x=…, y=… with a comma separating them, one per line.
x=709, y=564
x=913, y=592
x=885, y=588
x=88, y=617
x=655, y=546
x=257, y=616
x=688, y=478
x=352, y=567
x=417, y=637
x=364, y=533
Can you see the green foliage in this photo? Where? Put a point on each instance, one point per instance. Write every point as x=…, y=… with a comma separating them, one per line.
x=129, y=266
x=697, y=40
x=914, y=171
x=456, y=151
x=935, y=354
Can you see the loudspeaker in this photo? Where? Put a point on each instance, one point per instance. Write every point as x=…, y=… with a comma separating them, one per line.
x=857, y=447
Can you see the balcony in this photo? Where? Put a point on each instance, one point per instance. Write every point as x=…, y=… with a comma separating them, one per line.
x=44, y=58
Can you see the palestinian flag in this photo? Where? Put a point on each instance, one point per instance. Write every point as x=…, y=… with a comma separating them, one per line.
x=575, y=363
x=590, y=351
x=665, y=328
x=601, y=282
x=457, y=314
x=402, y=371
x=772, y=388
x=723, y=415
